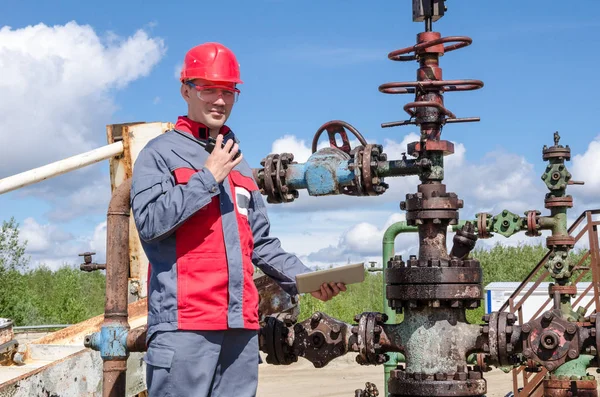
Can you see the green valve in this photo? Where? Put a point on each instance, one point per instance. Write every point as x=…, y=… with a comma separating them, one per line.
x=507, y=223
x=556, y=177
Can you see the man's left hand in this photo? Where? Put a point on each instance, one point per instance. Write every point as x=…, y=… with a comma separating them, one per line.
x=328, y=291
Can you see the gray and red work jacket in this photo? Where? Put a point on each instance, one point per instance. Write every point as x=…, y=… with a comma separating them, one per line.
x=202, y=238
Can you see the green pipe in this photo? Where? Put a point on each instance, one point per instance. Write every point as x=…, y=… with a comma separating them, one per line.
x=389, y=237
x=577, y=368
x=388, y=253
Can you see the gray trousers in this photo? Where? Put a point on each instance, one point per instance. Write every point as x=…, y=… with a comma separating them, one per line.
x=202, y=364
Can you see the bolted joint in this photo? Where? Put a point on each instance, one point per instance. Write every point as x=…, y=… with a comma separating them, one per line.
x=111, y=342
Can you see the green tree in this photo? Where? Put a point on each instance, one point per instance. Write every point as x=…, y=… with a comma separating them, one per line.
x=15, y=303
x=12, y=251
x=41, y=295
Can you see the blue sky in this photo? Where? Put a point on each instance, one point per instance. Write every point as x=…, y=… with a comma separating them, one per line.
x=303, y=63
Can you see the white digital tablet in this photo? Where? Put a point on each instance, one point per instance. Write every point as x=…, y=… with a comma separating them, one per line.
x=347, y=274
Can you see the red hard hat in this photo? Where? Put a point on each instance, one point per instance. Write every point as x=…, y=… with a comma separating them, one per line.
x=211, y=61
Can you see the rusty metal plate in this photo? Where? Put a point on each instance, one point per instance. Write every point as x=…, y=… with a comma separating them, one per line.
x=434, y=203
x=432, y=214
x=569, y=388
x=563, y=289
x=438, y=275
x=273, y=299
x=557, y=152
x=493, y=337
x=554, y=241
x=402, y=384
x=444, y=146
x=552, y=202
x=434, y=291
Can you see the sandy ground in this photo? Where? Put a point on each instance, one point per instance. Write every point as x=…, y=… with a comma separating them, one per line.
x=341, y=378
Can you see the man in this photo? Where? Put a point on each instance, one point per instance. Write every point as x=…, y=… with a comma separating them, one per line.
x=203, y=225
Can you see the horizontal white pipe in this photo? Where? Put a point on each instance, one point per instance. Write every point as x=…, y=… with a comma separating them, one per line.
x=60, y=167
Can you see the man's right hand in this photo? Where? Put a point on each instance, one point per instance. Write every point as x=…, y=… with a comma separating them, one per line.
x=220, y=162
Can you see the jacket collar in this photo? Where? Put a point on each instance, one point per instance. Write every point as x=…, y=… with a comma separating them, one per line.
x=198, y=130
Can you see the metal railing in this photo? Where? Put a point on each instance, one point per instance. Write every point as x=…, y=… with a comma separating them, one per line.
x=584, y=225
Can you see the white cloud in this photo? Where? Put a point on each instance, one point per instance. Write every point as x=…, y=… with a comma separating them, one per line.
x=98, y=242
x=41, y=238
x=177, y=70
x=57, y=84
x=290, y=144
x=50, y=245
x=585, y=168
x=499, y=180
x=362, y=242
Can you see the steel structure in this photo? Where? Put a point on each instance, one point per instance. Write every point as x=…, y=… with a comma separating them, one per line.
x=434, y=350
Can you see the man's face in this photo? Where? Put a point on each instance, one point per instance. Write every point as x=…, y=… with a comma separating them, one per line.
x=211, y=106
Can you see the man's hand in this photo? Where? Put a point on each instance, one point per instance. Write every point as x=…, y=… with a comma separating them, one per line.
x=328, y=291
x=221, y=162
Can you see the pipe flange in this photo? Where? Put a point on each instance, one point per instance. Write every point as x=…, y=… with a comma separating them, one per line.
x=553, y=242
x=556, y=152
x=483, y=221
x=553, y=386
x=551, y=340
x=355, y=166
x=275, y=340
x=463, y=382
x=595, y=320
x=436, y=274
x=432, y=294
x=395, y=263
x=533, y=223
x=562, y=201
x=271, y=179
x=373, y=185
x=366, y=337
x=502, y=337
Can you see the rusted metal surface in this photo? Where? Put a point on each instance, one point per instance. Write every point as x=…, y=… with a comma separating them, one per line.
x=113, y=378
x=117, y=277
x=551, y=340
x=482, y=225
x=87, y=265
x=136, y=339
x=446, y=147
x=560, y=241
x=556, y=387
x=273, y=299
x=6, y=330
x=370, y=390
x=533, y=223
x=134, y=137
x=552, y=202
x=502, y=338
x=450, y=283
x=318, y=339
x=334, y=128
x=459, y=382
x=366, y=338
x=463, y=242
x=77, y=332
x=271, y=179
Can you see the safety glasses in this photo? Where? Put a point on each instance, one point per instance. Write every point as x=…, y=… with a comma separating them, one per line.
x=210, y=93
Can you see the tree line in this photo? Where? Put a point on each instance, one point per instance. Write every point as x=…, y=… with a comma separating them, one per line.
x=40, y=296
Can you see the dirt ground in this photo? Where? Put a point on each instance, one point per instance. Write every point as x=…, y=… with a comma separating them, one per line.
x=341, y=378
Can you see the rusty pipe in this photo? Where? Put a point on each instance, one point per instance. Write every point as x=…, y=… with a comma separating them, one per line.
x=117, y=276
x=136, y=339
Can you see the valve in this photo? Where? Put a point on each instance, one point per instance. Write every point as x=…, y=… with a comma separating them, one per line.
x=335, y=128
x=87, y=265
x=337, y=169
